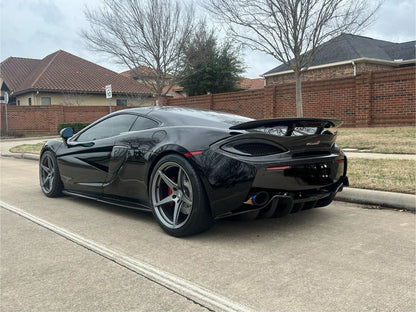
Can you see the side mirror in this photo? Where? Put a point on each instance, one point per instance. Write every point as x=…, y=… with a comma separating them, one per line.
x=66, y=133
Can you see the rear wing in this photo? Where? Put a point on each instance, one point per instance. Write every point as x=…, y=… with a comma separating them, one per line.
x=287, y=126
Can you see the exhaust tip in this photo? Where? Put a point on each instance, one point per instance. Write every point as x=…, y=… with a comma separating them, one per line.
x=260, y=198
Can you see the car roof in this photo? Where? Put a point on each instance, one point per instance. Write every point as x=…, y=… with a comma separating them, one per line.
x=184, y=116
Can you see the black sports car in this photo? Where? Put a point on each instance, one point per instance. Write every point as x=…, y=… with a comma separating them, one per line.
x=192, y=166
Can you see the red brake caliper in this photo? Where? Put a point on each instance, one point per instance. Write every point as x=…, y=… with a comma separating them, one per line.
x=173, y=179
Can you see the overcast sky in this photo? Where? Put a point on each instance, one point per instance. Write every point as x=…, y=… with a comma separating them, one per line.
x=37, y=28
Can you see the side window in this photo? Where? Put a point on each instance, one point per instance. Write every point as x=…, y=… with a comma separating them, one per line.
x=143, y=123
x=108, y=128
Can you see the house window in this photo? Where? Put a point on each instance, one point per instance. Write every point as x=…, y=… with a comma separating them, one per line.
x=45, y=100
x=121, y=102
x=18, y=102
x=30, y=101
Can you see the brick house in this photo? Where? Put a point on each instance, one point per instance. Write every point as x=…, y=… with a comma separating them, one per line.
x=251, y=84
x=349, y=56
x=62, y=78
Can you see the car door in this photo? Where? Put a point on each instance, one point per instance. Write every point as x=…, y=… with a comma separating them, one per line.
x=85, y=163
x=126, y=179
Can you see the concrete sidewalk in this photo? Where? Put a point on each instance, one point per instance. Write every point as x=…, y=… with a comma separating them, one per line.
x=380, y=156
x=353, y=195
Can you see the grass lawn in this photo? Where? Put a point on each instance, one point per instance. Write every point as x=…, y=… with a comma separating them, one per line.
x=383, y=174
x=28, y=148
x=386, y=140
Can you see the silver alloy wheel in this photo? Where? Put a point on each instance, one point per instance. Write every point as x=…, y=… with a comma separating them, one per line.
x=172, y=195
x=47, y=173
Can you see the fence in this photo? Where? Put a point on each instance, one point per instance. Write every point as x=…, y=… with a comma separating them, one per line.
x=46, y=119
x=371, y=99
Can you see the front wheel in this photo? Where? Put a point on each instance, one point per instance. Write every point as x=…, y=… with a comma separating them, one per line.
x=178, y=198
x=50, y=181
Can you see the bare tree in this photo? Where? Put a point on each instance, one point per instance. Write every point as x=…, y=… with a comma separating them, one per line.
x=142, y=33
x=292, y=30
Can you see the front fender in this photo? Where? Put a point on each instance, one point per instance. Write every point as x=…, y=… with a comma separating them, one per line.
x=52, y=145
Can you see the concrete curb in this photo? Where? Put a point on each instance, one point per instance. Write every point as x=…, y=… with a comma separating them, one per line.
x=351, y=195
x=378, y=198
x=22, y=156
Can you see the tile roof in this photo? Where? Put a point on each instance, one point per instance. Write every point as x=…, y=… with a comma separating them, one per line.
x=62, y=71
x=352, y=47
x=14, y=70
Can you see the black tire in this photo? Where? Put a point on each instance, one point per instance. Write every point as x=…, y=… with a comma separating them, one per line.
x=178, y=198
x=49, y=178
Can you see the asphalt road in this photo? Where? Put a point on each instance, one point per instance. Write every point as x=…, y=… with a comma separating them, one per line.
x=343, y=257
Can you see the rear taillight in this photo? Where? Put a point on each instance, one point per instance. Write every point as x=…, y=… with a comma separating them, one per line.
x=278, y=168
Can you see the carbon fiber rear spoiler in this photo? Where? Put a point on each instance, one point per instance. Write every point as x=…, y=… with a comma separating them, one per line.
x=290, y=123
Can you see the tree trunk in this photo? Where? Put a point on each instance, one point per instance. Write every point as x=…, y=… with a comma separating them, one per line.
x=299, y=107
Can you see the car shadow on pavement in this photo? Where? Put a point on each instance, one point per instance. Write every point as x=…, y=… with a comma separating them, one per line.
x=115, y=210
x=304, y=221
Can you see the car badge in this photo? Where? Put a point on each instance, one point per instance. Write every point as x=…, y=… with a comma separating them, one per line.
x=313, y=143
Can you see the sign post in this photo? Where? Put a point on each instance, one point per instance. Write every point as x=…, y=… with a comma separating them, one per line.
x=6, y=101
x=108, y=95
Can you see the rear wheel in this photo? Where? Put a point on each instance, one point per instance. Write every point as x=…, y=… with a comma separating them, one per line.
x=50, y=181
x=178, y=198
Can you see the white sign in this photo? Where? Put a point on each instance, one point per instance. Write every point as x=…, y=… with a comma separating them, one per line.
x=6, y=97
x=108, y=92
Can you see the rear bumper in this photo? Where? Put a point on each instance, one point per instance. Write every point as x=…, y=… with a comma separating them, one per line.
x=281, y=204
x=230, y=181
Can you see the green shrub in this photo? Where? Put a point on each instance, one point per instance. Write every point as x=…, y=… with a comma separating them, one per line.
x=76, y=125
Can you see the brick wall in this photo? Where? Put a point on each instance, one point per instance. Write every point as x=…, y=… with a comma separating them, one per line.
x=46, y=119
x=393, y=97
x=370, y=99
